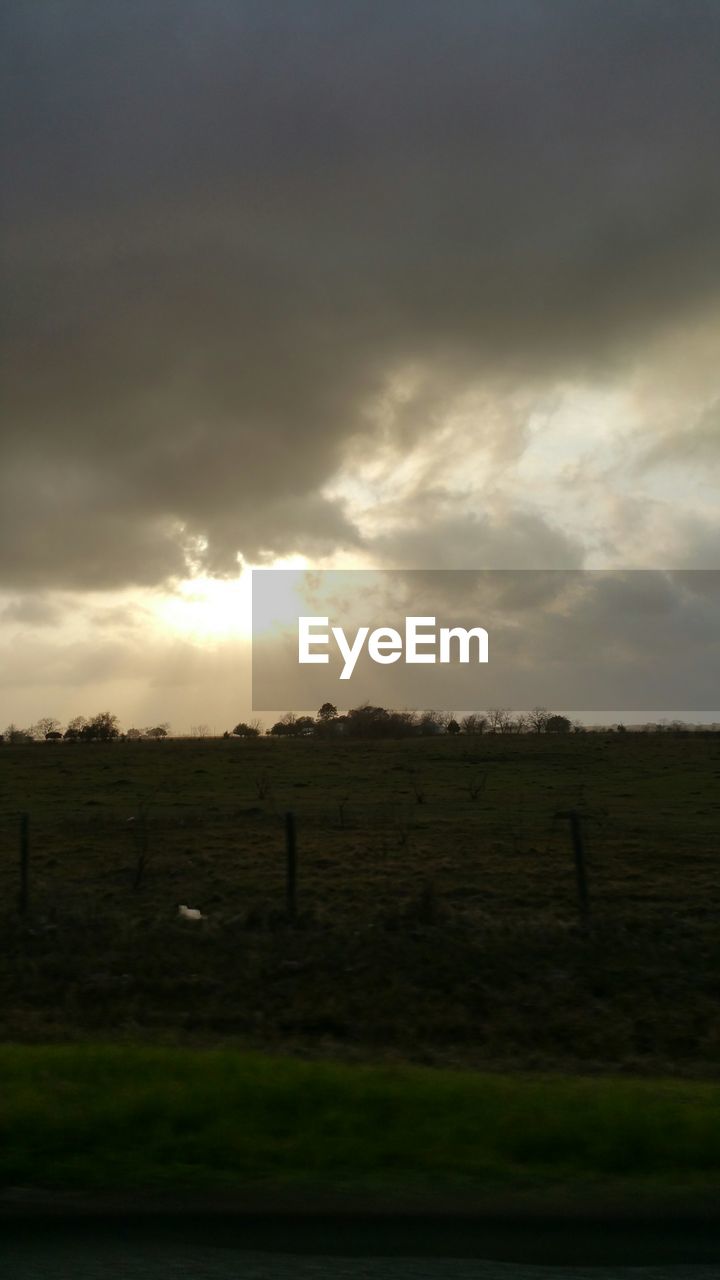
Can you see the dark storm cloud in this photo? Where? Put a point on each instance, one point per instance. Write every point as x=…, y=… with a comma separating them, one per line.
x=229, y=224
x=443, y=540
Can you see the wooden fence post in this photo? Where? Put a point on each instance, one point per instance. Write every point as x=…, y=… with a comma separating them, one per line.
x=578, y=845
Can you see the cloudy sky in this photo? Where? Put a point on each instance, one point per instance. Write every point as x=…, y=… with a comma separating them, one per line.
x=344, y=283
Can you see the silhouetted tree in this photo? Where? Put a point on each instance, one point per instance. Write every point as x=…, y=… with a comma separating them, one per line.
x=499, y=719
x=473, y=723
x=45, y=726
x=284, y=727
x=243, y=730
x=403, y=724
x=519, y=723
x=102, y=728
x=292, y=726
x=13, y=734
x=75, y=728
x=558, y=724
x=367, y=721
x=432, y=722
x=538, y=719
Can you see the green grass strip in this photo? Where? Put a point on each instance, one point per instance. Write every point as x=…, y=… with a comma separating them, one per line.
x=116, y=1117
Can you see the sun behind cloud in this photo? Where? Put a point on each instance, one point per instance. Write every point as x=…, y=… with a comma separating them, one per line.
x=206, y=609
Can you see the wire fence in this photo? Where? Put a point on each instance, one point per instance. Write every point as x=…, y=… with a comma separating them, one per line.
x=283, y=852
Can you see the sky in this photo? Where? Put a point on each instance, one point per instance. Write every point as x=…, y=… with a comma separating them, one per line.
x=360, y=284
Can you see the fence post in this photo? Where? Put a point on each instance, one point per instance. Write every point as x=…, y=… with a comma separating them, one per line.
x=291, y=865
x=24, y=895
x=578, y=845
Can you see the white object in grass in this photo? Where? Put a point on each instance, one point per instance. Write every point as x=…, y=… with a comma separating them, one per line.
x=190, y=913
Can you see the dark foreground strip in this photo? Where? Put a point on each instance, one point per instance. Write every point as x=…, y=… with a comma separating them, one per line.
x=570, y=1241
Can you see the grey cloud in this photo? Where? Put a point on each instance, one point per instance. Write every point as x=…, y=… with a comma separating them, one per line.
x=30, y=610
x=229, y=225
x=696, y=445
x=700, y=548
x=435, y=538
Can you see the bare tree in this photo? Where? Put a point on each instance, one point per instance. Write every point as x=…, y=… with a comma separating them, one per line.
x=499, y=719
x=433, y=722
x=44, y=726
x=538, y=719
x=14, y=734
x=473, y=723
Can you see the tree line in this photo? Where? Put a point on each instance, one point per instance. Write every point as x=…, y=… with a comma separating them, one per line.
x=104, y=727
x=365, y=721
x=368, y=721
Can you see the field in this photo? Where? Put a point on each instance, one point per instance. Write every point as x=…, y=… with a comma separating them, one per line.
x=437, y=907
x=120, y=1118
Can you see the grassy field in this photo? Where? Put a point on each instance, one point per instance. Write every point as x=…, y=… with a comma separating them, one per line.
x=438, y=916
x=110, y=1118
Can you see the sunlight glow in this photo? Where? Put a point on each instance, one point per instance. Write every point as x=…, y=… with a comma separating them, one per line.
x=209, y=610
x=204, y=608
